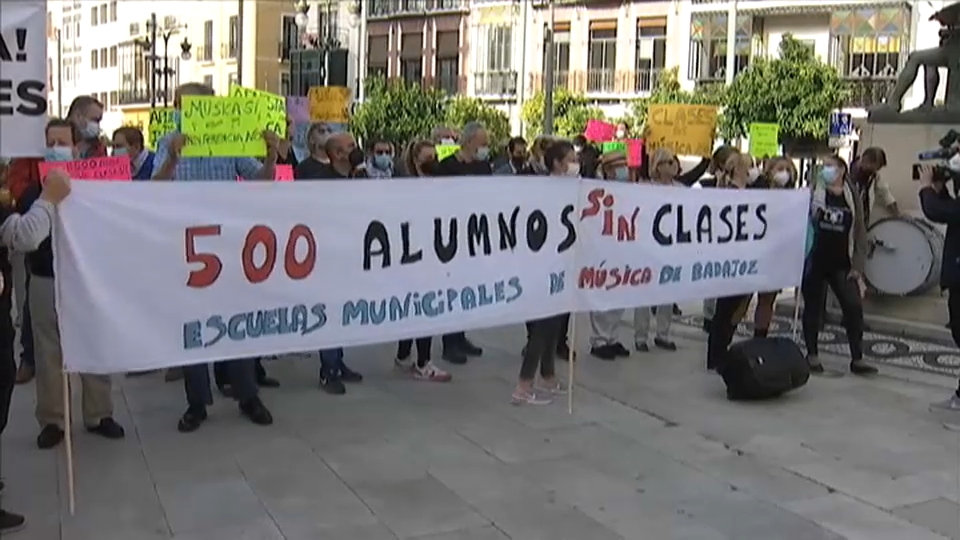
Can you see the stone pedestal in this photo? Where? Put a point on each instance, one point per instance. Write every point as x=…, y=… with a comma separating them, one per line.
x=902, y=143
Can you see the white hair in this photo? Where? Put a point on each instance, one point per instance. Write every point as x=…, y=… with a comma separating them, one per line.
x=470, y=131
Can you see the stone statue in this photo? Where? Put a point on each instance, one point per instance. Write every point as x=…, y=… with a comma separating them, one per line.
x=947, y=55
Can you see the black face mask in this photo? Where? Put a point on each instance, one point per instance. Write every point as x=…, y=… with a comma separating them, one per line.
x=356, y=157
x=429, y=168
x=518, y=161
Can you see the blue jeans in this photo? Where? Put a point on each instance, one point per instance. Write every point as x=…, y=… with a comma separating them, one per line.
x=331, y=361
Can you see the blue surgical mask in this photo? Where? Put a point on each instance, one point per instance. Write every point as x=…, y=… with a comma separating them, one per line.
x=621, y=174
x=483, y=153
x=828, y=174
x=58, y=153
x=119, y=152
x=91, y=129
x=383, y=161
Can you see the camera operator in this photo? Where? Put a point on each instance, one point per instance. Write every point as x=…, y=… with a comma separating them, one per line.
x=939, y=206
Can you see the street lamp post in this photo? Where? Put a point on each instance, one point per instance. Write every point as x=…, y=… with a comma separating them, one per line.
x=150, y=44
x=317, y=48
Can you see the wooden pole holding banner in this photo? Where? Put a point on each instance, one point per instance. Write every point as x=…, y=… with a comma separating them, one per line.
x=68, y=440
x=796, y=313
x=571, y=359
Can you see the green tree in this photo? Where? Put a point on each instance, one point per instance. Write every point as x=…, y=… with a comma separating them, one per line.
x=668, y=91
x=796, y=91
x=397, y=111
x=570, y=114
x=461, y=109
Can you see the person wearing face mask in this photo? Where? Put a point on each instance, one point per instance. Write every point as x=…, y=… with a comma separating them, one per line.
x=380, y=164
x=516, y=163
x=836, y=260
x=543, y=334
x=86, y=113
x=314, y=165
x=603, y=324
x=420, y=159
x=778, y=173
x=22, y=232
x=873, y=189
x=940, y=206
x=472, y=159
x=128, y=141
x=444, y=135
x=733, y=174
x=537, y=150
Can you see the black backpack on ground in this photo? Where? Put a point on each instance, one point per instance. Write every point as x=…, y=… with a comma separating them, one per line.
x=764, y=368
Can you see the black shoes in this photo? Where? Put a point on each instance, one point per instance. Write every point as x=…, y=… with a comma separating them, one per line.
x=108, y=428
x=456, y=356
x=268, y=382
x=50, y=436
x=460, y=352
x=331, y=384
x=861, y=367
x=468, y=348
x=256, y=412
x=348, y=375
x=665, y=344
x=11, y=523
x=191, y=420
x=611, y=351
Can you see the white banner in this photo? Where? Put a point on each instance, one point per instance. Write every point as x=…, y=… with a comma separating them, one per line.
x=23, y=77
x=653, y=245
x=152, y=275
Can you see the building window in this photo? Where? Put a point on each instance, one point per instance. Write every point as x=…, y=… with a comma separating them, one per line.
x=495, y=70
x=234, y=41
x=868, y=47
x=93, y=60
x=377, y=55
x=208, y=81
x=103, y=57
x=289, y=34
x=284, y=84
x=561, y=55
x=411, y=58
x=448, y=62
x=93, y=16
x=602, y=56
x=113, y=97
x=113, y=11
x=206, y=54
x=113, y=56
x=708, y=46
x=134, y=29
x=103, y=14
x=328, y=20
x=651, y=52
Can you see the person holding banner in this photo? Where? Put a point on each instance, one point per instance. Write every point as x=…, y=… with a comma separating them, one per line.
x=20, y=231
x=380, y=163
x=836, y=260
x=470, y=160
x=128, y=141
x=170, y=165
x=420, y=159
x=544, y=334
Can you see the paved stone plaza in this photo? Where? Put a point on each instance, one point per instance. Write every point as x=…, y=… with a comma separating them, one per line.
x=652, y=452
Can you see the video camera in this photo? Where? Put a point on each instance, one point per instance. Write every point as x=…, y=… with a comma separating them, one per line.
x=947, y=150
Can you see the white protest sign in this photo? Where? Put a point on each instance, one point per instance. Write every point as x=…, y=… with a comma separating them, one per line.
x=201, y=271
x=23, y=77
x=643, y=245
x=151, y=275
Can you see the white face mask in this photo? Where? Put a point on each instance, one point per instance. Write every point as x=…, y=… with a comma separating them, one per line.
x=573, y=169
x=92, y=129
x=447, y=141
x=781, y=178
x=753, y=173
x=620, y=134
x=954, y=163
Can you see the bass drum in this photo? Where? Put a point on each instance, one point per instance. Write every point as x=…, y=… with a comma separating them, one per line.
x=903, y=256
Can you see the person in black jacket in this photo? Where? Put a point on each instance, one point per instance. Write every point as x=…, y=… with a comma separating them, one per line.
x=940, y=206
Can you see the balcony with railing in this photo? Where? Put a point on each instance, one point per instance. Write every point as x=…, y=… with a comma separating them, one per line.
x=140, y=97
x=382, y=9
x=495, y=83
x=865, y=93
x=449, y=84
x=599, y=82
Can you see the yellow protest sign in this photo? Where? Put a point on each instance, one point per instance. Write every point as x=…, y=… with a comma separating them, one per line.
x=162, y=121
x=446, y=150
x=275, y=117
x=223, y=126
x=687, y=130
x=329, y=104
x=764, y=140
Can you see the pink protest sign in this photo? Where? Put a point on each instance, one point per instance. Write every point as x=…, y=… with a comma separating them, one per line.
x=298, y=108
x=598, y=131
x=98, y=168
x=281, y=173
x=634, y=152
